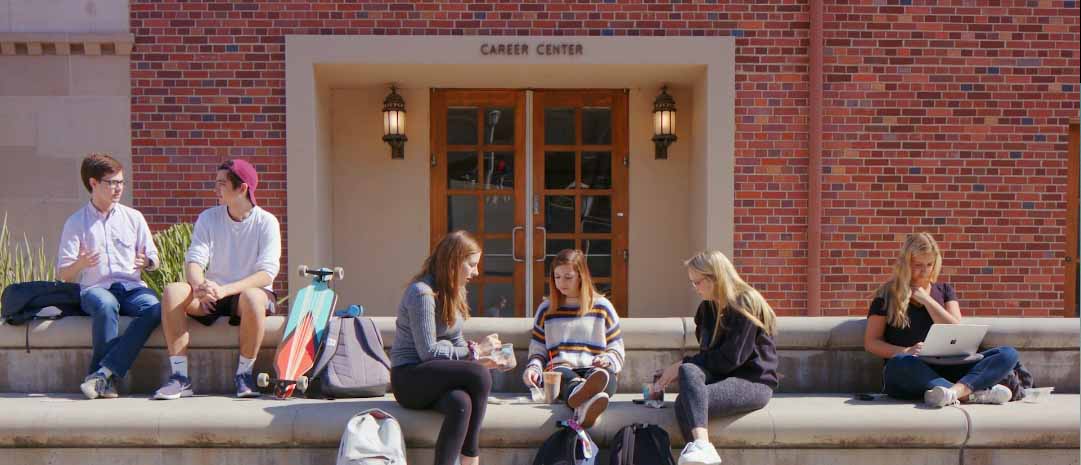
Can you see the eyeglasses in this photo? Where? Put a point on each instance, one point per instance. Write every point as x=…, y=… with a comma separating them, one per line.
x=114, y=183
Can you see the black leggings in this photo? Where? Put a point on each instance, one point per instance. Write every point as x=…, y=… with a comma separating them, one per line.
x=456, y=388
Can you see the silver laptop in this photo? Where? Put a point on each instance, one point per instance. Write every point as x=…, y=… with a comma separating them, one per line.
x=953, y=344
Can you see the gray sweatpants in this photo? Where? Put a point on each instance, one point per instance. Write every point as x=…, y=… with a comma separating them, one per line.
x=701, y=397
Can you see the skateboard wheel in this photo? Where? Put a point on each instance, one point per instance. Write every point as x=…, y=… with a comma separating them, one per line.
x=340, y=272
x=303, y=271
x=302, y=383
x=263, y=380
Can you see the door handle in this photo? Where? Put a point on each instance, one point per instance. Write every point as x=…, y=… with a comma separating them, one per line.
x=544, y=242
x=514, y=244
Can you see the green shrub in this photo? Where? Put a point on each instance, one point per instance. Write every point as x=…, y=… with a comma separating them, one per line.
x=172, y=245
x=21, y=262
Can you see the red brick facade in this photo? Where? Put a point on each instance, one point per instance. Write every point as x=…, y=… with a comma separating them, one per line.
x=947, y=119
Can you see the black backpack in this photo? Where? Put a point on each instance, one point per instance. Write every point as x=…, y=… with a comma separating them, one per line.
x=21, y=302
x=641, y=444
x=569, y=445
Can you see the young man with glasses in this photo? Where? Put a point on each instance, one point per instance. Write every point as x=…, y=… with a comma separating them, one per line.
x=105, y=246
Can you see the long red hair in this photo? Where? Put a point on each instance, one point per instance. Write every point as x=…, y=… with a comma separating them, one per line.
x=444, y=265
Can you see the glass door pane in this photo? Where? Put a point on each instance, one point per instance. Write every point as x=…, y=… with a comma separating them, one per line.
x=580, y=179
x=477, y=184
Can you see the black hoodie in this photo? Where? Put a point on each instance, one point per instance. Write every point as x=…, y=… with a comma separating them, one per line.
x=743, y=350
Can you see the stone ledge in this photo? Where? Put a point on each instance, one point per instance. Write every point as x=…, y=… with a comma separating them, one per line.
x=789, y=421
x=58, y=43
x=794, y=333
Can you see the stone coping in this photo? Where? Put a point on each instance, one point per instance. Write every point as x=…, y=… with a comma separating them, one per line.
x=789, y=421
x=675, y=333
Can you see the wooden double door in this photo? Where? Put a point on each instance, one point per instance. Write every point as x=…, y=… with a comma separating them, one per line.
x=529, y=173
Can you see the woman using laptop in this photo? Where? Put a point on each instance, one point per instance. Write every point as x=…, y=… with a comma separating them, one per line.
x=902, y=312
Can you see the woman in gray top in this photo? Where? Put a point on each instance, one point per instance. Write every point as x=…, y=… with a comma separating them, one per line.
x=434, y=367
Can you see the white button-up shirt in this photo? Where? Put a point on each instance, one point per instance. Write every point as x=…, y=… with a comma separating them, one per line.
x=116, y=236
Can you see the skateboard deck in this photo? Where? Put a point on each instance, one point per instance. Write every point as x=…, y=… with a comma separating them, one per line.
x=303, y=333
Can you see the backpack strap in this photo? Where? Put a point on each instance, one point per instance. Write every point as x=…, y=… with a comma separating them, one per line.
x=583, y=438
x=628, y=444
x=326, y=352
x=373, y=341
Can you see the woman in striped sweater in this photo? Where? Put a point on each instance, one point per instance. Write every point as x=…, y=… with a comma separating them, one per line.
x=576, y=333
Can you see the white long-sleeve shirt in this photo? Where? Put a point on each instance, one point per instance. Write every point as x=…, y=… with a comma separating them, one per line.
x=117, y=236
x=233, y=250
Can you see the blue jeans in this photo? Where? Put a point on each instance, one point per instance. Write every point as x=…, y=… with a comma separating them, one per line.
x=112, y=350
x=907, y=377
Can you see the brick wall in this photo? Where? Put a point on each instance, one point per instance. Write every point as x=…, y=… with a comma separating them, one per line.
x=949, y=119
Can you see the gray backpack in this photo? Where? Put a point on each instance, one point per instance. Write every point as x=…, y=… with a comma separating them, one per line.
x=351, y=362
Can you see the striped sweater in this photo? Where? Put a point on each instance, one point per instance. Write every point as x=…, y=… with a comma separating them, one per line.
x=563, y=338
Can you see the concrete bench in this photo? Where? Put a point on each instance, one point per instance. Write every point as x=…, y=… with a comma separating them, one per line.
x=793, y=428
x=817, y=355
x=813, y=420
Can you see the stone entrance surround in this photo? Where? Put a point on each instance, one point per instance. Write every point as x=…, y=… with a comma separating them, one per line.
x=814, y=419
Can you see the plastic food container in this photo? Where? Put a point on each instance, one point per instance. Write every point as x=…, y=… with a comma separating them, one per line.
x=1037, y=395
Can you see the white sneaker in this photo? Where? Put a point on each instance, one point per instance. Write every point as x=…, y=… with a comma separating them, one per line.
x=699, y=454
x=592, y=409
x=997, y=394
x=938, y=397
x=596, y=383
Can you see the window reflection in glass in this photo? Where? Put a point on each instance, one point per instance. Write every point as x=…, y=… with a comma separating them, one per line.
x=559, y=126
x=596, y=126
x=559, y=213
x=596, y=170
x=499, y=300
x=462, y=126
x=462, y=170
x=596, y=214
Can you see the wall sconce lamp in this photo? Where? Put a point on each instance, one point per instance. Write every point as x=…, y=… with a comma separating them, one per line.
x=664, y=123
x=394, y=123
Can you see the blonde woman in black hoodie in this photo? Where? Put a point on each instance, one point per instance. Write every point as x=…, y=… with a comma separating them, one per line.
x=735, y=370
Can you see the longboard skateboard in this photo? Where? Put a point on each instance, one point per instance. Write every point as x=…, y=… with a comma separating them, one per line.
x=303, y=333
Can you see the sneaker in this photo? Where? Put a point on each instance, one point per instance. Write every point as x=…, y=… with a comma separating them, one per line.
x=695, y=453
x=94, y=385
x=997, y=394
x=938, y=397
x=592, y=409
x=245, y=386
x=585, y=390
x=110, y=388
x=177, y=387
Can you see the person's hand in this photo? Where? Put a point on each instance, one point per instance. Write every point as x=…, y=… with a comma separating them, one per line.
x=141, y=262
x=602, y=362
x=488, y=362
x=212, y=292
x=914, y=350
x=531, y=376
x=488, y=344
x=667, y=376
x=921, y=296
x=86, y=258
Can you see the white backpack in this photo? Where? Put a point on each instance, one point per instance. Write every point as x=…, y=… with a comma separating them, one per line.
x=372, y=437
